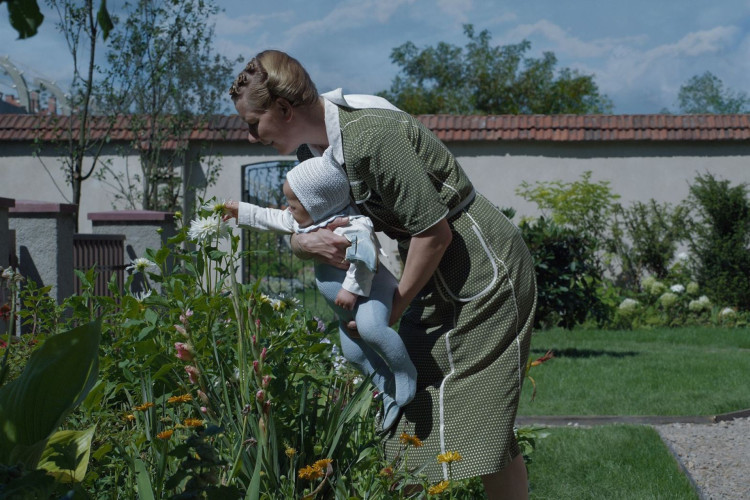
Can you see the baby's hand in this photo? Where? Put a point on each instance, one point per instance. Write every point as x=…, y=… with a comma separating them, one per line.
x=346, y=299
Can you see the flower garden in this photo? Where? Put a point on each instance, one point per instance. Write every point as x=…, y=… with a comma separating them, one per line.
x=198, y=386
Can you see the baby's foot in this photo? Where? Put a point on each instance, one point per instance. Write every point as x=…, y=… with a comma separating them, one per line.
x=391, y=411
x=406, y=384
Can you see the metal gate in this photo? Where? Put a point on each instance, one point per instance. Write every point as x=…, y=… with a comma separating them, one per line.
x=105, y=251
x=270, y=258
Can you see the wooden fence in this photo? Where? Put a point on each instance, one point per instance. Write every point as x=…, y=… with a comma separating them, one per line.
x=105, y=252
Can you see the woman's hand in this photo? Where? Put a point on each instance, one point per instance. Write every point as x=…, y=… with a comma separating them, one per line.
x=323, y=245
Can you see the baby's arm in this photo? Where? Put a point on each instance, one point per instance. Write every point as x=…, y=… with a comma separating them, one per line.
x=259, y=218
x=346, y=299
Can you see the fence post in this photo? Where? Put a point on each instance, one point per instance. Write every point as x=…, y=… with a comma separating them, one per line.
x=44, y=244
x=142, y=229
x=5, y=240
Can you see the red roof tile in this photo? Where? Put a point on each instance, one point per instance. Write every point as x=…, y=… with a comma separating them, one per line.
x=562, y=128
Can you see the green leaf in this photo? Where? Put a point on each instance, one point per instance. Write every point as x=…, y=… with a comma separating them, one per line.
x=25, y=17
x=57, y=377
x=78, y=444
x=145, y=490
x=103, y=19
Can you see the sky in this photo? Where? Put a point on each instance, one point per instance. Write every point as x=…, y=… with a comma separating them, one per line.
x=639, y=51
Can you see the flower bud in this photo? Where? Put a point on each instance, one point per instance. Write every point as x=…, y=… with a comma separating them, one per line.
x=266, y=381
x=263, y=354
x=260, y=395
x=184, y=351
x=193, y=373
x=256, y=367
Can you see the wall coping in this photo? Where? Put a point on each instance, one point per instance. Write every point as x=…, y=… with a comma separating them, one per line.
x=7, y=202
x=33, y=206
x=131, y=216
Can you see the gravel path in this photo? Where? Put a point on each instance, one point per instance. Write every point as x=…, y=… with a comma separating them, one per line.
x=716, y=456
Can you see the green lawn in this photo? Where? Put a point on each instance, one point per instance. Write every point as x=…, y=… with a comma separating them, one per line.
x=686, y=371
x=612, y=462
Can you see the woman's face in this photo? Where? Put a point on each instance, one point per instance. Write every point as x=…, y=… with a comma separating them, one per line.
x=270, y=127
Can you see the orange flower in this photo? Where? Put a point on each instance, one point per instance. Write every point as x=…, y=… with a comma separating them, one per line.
x=439, y=488
x=145, y=406
x=165, y=434
x=386, y=472
x=184, y=398
x=192, y=422
x=130, y=417
x=310, y=473
x=412, y=440
x=323, y=463
x=449, y=457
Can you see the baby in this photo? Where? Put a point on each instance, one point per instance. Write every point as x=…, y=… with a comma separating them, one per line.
x=317, y=191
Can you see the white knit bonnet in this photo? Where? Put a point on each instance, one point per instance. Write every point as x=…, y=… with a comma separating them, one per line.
x=321, y=186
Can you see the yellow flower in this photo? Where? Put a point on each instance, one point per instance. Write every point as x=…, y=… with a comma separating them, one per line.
x=145, y=406
x=448, y=457
x=184, y=398
x=412, y=440
x=323, y=463
x=192, y=422
x=439, y=488
x=290, y=452
x=310, y=472
x=130, y=417
x=165, y=434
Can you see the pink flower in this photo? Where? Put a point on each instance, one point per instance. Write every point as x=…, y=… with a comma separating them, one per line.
x=184, y=317
x=266, y=381
x=184, y=351
x=181, y=329
x=256, y=367
x=254, y=339
x=257, y=323
x=202, y=396
x=260, y=395
x=193, y=373
x=263, y=353
x=204, y=409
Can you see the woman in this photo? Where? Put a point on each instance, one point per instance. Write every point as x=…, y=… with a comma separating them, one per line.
x=467, y=294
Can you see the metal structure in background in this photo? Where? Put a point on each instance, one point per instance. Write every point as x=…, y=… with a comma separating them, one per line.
x=106, y=252
x=270, y=256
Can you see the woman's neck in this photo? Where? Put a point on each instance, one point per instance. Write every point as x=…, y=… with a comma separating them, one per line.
x=313, y=119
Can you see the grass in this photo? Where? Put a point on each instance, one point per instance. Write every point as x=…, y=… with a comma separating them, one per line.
x=686, y=371
x=612, y=462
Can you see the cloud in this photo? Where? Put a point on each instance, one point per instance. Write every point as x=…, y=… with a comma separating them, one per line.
x=227, y=25
x=347, y=15
x=567, y=44
x=456, y=9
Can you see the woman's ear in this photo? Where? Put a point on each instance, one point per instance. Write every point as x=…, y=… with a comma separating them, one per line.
x=287, y=110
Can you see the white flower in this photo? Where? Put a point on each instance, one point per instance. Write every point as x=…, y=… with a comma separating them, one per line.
x=214, y=206
x=653, y=287
x=682, y=256
x=701, y=304
x=141, y=264
x=204, y=228
x=141, y=296
x=727, y=312
x=668, y=299
x=692, y=288
x=677, y=288
x=8, y=273
x=628, y=305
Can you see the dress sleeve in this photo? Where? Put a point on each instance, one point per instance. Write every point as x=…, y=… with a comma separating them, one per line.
x=393, y=169
x=264, y=219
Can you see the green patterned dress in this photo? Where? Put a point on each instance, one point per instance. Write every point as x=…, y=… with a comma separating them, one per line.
x=468, y=330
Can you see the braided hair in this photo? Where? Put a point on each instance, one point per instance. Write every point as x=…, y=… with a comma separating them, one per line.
x=272, y=74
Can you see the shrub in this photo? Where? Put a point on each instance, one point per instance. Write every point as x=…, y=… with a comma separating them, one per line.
x=567, y=280
x=645, y=237
x=720, y=239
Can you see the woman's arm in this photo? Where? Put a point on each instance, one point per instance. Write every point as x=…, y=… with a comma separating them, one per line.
x=425, y=251
x=323, y=245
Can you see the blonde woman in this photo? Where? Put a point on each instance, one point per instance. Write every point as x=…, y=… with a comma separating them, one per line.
x=467, y=294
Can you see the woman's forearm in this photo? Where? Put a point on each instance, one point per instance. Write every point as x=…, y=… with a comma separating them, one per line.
x=323, y=245
x=425, y=252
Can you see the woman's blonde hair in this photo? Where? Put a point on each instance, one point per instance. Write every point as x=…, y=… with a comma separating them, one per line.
x=272, y=74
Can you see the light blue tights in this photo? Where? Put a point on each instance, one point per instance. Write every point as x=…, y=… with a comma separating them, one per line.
x=379, y=351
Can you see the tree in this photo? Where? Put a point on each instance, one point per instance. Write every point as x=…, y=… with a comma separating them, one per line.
x=706, y=94
x=481, y=79
x=81, y=26
x=164, y=73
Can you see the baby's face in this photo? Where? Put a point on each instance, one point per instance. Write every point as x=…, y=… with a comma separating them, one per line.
x=298, y=211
